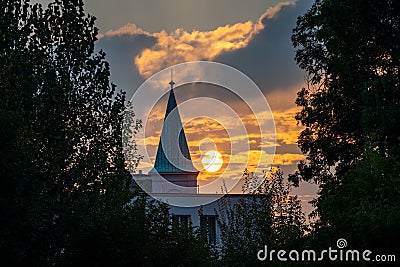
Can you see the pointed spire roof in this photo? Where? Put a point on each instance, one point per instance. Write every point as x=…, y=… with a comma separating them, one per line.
x=173, y=155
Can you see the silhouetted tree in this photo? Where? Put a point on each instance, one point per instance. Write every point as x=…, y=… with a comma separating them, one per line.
x=267, y=214
x=351, y=54
x=65, y=191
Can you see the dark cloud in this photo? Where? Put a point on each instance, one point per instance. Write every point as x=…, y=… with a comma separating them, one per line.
x=156, y=15
x=287, y=148
x=121, y=51
x=269, y=57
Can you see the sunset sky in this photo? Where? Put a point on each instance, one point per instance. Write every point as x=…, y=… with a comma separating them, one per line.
x=142, y=37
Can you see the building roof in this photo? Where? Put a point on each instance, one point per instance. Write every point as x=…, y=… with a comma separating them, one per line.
x=173, y=155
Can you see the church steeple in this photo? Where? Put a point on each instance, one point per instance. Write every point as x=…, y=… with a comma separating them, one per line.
x=173, y=159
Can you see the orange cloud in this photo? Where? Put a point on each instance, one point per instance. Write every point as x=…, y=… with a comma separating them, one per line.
x=128, y=29
x=181, y=46
x=287, y=129
x=200, y=128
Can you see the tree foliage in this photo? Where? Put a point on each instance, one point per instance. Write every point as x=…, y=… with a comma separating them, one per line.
x=351, y=53
x=65, y=191
x=267, y=215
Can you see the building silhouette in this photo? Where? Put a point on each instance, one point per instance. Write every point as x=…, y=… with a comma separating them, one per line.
x=174, y=176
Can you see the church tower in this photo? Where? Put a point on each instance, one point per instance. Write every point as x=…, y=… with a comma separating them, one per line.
x=173, y=161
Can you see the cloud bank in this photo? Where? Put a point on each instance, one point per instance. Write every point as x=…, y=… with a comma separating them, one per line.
x=182, y=46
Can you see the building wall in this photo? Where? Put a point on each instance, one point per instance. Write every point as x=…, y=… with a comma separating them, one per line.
x=154, y=183
x=206, y=212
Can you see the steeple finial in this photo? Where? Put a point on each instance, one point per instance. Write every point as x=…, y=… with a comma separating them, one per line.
x=172, y=80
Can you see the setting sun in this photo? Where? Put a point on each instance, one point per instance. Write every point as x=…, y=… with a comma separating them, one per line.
x=212, y=161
